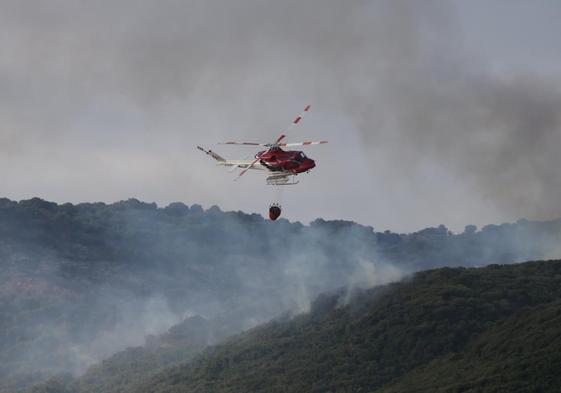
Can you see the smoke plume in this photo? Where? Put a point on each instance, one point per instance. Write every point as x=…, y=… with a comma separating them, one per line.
x=421, y=128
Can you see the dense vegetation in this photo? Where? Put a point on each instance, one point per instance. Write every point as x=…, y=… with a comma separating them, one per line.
x=81, y=282
x=489, y=329
x=520, y=354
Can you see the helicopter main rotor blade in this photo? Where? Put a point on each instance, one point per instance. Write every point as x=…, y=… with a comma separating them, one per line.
x=306, y=143
x=242, y=143
x=247, y=169
x=294, y=124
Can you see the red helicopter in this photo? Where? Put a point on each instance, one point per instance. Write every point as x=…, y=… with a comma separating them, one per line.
x=281, y=166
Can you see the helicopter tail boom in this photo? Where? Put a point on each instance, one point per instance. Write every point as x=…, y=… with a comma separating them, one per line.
x=212, y=154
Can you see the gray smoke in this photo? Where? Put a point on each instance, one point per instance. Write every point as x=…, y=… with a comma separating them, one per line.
x=104, y=100
x=81, y=282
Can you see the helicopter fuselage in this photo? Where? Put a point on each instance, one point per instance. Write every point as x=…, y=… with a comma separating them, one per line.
x=276, y=159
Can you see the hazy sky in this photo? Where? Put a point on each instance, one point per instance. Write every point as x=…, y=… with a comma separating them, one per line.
x=436, y=111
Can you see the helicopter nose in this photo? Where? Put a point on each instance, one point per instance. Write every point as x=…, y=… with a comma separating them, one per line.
x=310, y=163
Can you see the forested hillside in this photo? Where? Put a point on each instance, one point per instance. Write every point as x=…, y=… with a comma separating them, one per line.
x=520, y=354
x=490, y=329
x=82, y=282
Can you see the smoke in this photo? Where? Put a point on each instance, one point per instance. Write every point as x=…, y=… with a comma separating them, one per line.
x=70, y=335
x=330, y=256
x=129, y=87
x=82, y=282
x=136, y=318
x=497, y=135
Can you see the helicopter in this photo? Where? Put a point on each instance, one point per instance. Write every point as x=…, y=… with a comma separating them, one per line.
x=281, y=166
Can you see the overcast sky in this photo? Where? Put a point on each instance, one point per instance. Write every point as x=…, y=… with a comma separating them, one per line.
x=437, y=112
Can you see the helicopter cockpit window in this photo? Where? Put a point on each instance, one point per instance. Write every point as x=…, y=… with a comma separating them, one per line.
x=301, y=156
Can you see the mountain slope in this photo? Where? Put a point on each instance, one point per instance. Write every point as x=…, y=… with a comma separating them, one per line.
x=82, y=282
x=385, y=333
x=133, y=366
x=521, y=354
